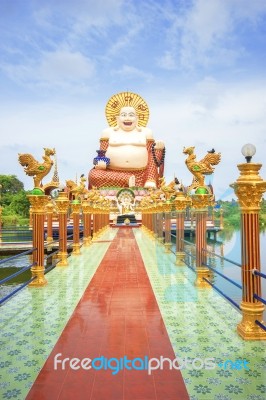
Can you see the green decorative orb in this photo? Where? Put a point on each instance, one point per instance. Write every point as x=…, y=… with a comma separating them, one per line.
x=75, y=202
x=201, y=190
x=37, y=192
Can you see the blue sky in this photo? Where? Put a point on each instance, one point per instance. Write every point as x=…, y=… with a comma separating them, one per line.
x=200, y=66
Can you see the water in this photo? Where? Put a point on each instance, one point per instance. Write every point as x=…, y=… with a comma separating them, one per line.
x=10, y=267
x=228, y=244
x=16, y=234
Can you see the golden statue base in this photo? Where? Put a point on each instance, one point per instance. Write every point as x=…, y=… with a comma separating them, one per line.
x=38, y=272
x=180, y=256
x=247, y=328
x=76, y=249
x=63, y=262
x=87, y=241
x=202, y=272
x=167, y=247
x=49, y=240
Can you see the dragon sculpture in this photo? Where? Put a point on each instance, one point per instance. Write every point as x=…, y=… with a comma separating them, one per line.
x=202, y=167
x=36, y=169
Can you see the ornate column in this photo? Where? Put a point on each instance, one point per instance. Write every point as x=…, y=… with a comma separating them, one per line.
x=86, y=222
x=38, y=202
x=249, y=188
x=200, y=203
x=160, y=221
x=49, y=214
x=62, y=204
x=167, y=226
x=95, y=223
x=75, y=205
x=181, y=202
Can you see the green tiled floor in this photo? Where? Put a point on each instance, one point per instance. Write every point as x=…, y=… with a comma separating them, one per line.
x=201, y=324
x=32, y=321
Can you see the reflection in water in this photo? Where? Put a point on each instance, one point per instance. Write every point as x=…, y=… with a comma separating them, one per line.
x=228, y=244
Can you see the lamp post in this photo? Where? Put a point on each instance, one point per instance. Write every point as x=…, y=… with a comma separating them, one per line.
x=249, y=188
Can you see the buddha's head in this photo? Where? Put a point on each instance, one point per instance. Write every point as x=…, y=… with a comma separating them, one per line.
x=127, y=119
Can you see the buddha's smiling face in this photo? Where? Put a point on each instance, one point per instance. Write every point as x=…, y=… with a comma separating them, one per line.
x=127, y=119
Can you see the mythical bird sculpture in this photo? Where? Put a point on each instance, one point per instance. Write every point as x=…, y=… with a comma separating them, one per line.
x=202, y=167
x=36, y=169
x=168, y=190
x=77, y=191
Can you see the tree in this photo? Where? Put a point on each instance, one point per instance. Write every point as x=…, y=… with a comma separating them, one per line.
x=9, y=185
x=20, y=204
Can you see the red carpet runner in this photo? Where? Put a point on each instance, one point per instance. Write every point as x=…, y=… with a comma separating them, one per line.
x=117, y=316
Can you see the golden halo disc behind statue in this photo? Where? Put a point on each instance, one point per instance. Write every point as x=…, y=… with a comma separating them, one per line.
x=126, y=99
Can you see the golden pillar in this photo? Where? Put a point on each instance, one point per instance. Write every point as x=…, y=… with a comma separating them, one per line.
x=38, y=202
x=75, y=214
x=181, y=202
x=96, y=223
x=160, y=221
x=49, y=219
x=167, y=226
x=249, y=188
x=143, y=219
x=86, y=222
x=200, y=203
x=62, y=204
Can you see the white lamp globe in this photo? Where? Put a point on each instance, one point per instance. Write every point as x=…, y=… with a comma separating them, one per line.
x=248, y=151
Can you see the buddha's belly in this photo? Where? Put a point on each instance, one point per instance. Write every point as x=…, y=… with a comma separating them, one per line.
x=127, y=157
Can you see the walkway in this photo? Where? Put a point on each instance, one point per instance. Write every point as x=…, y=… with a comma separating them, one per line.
x=125, y=297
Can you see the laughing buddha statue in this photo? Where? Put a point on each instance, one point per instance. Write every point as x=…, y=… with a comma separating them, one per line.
x=129, y=155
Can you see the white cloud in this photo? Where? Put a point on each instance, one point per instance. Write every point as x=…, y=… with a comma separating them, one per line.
x=220, y=116
x=62, y=64
x=167, y=61
x=57, y=68
x=129, y=72
x=207, y=33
